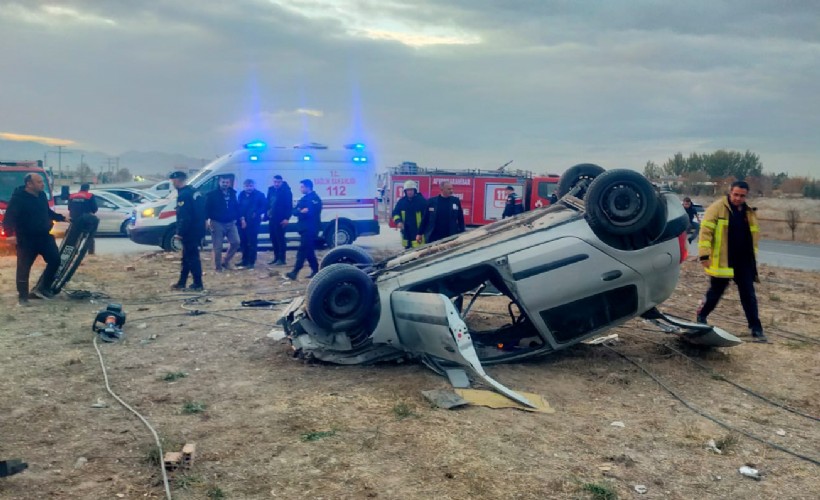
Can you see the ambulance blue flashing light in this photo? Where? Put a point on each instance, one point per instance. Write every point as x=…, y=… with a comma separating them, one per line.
x=359, y=159
x=258, y=145
x=307, y=158
x=358, y=146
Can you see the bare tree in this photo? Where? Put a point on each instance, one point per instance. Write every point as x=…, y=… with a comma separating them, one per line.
x=792, y=219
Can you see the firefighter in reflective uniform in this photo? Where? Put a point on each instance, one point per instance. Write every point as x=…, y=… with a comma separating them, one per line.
x=81, y=203
x=408, y=214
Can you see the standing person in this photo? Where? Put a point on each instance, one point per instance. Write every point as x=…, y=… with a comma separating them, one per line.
x=408, y=214
x=553, y=198
x=444, y=216
x=309, y=213
x=280, y=206
x=222, y=211
x=30, y=218
x=82, y=203
x=694, y=218
x=190, y=230
x=252, y=206
x=512, y=205
x=727, y=249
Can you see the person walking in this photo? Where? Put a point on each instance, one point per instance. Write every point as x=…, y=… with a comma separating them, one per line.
x=408, y=214
x=190, y=231
x=280, y=207
x=309, y=213
x=694, y=219
x=83, y=203
x=30, y=218
x=444, y=216
x=727, y=248
x=512, y=206
x=222, y=211
x=252, y=206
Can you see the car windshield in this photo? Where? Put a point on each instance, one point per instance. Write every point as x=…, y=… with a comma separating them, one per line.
x=11, y=180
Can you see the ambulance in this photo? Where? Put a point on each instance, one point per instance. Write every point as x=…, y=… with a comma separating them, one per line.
x=345, y=180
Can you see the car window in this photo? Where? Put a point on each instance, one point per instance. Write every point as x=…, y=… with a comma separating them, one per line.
x=545, y=189
x=9, y=181
x=213, y=183
x=103, y=203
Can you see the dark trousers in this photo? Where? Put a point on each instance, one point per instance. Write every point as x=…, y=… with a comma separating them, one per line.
x=744, y=279
x=277, y=239
x=190, y=262
x=248, y=242
x=307, y=251
x=27, y=252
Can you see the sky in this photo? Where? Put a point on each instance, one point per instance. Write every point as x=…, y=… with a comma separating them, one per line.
x=445, y=83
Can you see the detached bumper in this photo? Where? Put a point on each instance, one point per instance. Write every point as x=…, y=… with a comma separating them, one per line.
x=151, y=235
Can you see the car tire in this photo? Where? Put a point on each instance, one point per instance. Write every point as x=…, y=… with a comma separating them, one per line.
x=169, y=243
x=346, y=234
x=85, y=225
x=581, y=173
x=620, y=202
x=340, y=297
x=348, y=254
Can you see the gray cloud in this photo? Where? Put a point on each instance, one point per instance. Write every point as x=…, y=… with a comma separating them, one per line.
x=549, y=83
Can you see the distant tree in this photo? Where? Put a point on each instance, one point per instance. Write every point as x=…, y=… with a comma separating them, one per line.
x=719, y=164
x=812, y=189
x=652, y=171
x=123, y=175
x=792, y=219
x=794, y=185
x=675, y=166
x=778, y=179
x=760, y=184
x=695, y=184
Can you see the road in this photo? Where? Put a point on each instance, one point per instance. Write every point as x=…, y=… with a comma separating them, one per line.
x=802, y=256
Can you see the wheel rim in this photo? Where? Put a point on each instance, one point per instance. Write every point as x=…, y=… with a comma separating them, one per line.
x=623, y=204
x=343, y=300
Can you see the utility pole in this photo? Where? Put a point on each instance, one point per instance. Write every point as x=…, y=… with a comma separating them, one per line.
x=60, y=152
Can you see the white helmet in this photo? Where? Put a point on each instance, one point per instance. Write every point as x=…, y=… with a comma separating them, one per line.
x=411, y=184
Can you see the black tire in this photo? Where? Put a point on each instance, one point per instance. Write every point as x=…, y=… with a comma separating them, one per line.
x=346, y=236
x=620, y=202
x=124, y=227
x=347, y=254
x=169, y=243
x=340, y=297
x=77, y=238
x=583, y=173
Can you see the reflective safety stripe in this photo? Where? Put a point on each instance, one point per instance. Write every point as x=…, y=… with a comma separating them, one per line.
x=721, y=272
x=754, y=229
x=708, y=224
x=396, y=218
x=714, y=268
x=704, y=244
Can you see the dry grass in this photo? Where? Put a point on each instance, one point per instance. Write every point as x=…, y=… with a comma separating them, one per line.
x=278, y=428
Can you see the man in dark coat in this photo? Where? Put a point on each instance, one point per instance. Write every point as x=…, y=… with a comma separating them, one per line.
x=190, y=230
x=30, y=218
x=444, y=216
x=280, y=208
x=309, y=213
x=252, y=206
x=512, y=206
x=408, y=214
x=222, y=211
x=83, y=203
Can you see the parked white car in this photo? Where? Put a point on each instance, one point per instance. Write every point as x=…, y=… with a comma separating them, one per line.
x=113, y=211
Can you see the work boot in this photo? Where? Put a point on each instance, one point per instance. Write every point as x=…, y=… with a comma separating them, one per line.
x=702, y=319
x=291, y=275
x=178, y=286
x=23, y=302
x=196, y=287
x=273, y=262
x=758, y=336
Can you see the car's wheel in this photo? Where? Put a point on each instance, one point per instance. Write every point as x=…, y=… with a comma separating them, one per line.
x=169, y=243
x=579, y=175
x=340, y=297
x=345, y=235
x=620, y=202
x=347, y=254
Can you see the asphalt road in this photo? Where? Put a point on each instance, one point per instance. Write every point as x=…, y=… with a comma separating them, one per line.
x=802, y=256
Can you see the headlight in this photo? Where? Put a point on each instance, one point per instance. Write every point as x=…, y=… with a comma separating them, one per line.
x=148, y=212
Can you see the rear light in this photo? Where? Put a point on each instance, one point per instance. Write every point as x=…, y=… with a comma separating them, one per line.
x=169, y=213
x=683, y=243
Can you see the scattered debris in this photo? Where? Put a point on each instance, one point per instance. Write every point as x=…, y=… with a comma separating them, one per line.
x=142, y=326
x=173, y=460
x=641, y=489
x=712, y=446
x=80, y=462
x=618, y=423
x=600, y=340
x=100, y=404
x=276, y=334
x=130, y=268
x=780, y=432
x=444, y=399
x=496, y=400
x=750, y=472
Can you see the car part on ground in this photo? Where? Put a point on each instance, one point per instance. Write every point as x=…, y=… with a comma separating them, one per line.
x=72, y=250
x=570, y=272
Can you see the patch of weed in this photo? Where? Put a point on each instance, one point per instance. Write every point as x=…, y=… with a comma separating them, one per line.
x=727, y=442
x=186, y=481
x=774, y=297
x=403, y=410
x=600, y=491
x=215, y=493
x=193, y=407
x=172, y=376
x=153, y=455
x=317, y=435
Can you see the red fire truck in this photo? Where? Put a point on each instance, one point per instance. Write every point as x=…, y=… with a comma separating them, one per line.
x=482, y=193
x=12, y=175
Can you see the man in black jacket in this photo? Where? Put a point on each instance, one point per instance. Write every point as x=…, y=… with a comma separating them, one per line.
x=512, y=206
x=190, y=230
x=252, y=206
x=222, y=210
x=30, y=218
x=83, y=203
x=444, y=216
x=280, y=206
x=309, y=213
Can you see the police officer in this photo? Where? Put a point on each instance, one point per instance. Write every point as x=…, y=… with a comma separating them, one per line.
x=444, y=216
x=512, y=206
x=408, y=214
x=190, y=230
x=83, y=203
x=309, y=213
x=30, y=218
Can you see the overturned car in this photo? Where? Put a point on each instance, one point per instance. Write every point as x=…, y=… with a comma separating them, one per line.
x=608, y=251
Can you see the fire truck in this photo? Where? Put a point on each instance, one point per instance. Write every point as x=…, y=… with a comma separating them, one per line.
x=12, y=175
x=482, y=193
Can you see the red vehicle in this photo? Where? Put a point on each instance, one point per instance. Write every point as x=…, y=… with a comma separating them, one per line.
x=482, y=193
x=12, y=175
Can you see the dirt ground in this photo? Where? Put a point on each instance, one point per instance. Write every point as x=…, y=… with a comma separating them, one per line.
x=269, y=426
